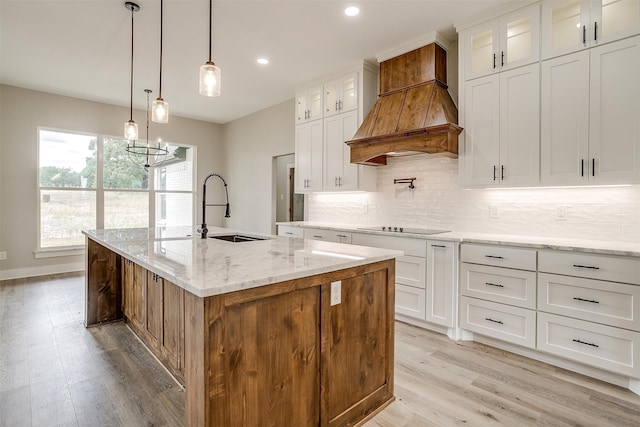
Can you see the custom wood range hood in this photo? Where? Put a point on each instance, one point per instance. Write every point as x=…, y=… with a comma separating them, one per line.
x=414, y=112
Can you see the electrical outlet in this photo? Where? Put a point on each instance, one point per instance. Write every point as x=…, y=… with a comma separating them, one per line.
x=336, y=292
x=494, y=211
x=561, y=212
x=3, y=255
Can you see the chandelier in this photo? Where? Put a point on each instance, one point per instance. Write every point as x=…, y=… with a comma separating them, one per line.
x=146, y=155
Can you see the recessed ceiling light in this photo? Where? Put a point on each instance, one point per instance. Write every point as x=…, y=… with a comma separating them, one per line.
x=263, y=61
x=351, y=11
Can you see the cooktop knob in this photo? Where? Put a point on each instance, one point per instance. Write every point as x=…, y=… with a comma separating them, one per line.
x=384, y=228
x=395, y=228
x=401, y=229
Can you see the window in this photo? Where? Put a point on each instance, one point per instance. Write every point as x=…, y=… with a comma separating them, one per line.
x=87, y=181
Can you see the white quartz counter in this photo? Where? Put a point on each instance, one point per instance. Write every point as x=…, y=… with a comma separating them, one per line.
x=583, y=245
x=207, y=267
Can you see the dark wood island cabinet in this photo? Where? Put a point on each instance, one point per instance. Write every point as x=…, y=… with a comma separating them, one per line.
x=282, y=353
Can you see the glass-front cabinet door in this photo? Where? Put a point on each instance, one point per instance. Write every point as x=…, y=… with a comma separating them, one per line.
x=341, y=95
x=502, y=44
x=309, y=105
x=614, y=19
x=572, y=25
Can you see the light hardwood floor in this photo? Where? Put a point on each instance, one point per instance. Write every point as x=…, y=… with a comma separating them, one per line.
x=54, y=372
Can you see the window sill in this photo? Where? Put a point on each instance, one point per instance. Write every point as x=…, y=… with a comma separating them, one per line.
x=53, y=253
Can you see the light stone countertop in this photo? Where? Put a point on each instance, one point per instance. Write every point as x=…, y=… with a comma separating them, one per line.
x=212, y=267
x=631, y=249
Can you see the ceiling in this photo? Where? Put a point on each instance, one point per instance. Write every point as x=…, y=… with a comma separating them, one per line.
x=81, y=48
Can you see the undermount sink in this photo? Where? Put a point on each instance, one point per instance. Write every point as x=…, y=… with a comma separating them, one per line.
x=237, y=238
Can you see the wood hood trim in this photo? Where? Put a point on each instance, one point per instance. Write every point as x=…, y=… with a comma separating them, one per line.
x=413, y=114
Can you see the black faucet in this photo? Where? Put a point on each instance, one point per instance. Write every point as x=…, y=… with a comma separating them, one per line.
x=227, y=213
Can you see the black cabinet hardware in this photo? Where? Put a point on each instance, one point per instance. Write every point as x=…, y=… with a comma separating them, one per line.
x=595, y=31
x=494, y=321
x=584, y=34
x=494, y=284
x=582, y=167
x=494, y=172
x=494, y=61
x=502, y=172
x=586, y=300
x=586, y=343
x=593, y=167
x=438, y=246
x=502, y=59
x=493, y=256
x=586, y=266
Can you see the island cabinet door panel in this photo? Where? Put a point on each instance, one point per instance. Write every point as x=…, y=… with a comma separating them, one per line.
x=264, y=361
x=357, y=353
x=134, y=278
x=103, y=290
x=153, y=316
x=172, y=343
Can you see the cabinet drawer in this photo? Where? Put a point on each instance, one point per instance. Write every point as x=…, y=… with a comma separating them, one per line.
x=512, y=324
x=614, y=304
x=603, y=267
x=613, y=349
x=410, y=301
x=290, y=231
x=505, y=285
x=411, y=271
x=499, y=256
x=327, y=235
x=410, y=246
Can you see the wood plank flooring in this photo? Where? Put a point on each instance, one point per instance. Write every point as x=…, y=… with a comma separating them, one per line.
x=54, y=372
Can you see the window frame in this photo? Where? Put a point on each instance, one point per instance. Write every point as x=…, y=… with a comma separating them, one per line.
x=99, y=190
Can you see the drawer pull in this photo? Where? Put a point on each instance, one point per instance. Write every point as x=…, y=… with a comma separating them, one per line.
x=495, y=321
x=494, y=284
x=318, y=237
x=493, y=256
x=586, y=343
x=341, y=235
x=288, y=232
x=586, y=266
x=586, y=300
x=438, y=246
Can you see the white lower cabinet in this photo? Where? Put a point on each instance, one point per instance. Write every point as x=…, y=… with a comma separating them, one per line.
x=410, y=301
x=327, y=235
x=442, y=266
x=513, y=324
x=290, y=231
x=606, y=347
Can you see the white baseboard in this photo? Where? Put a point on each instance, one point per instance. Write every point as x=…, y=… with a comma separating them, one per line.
x=20, y=273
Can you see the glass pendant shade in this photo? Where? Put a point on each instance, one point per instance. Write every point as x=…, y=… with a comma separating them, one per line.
x=209, y=79
x=131, y=130
x=160, y=111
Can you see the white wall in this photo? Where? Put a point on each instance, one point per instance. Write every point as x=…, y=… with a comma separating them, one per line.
x=250, y=144
x=601, y=213
x=21, y=112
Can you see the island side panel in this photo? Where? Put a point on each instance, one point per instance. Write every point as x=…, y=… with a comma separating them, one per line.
x=103, y=289
x=264, y=360
x=196, y=361
x=358, y=346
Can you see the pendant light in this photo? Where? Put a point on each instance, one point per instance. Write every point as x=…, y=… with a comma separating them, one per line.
x=146, y=155
x=160, y=109
x=209, y=72
x=131, y=127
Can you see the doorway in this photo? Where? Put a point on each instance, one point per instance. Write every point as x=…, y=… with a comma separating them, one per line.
x=289, y=205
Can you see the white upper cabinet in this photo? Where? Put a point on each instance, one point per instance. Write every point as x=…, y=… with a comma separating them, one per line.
x=308, y=157
x=341, y=95
x=614, y=116
x=309, y=104
x=502, y=137
x=572, y=25
x=508, y=42
x=327, y=115
x=591, y=116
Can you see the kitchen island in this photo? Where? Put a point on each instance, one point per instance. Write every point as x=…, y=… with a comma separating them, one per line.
x=279, y=331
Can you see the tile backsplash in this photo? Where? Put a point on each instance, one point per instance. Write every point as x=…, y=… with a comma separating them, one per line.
x=600, y=213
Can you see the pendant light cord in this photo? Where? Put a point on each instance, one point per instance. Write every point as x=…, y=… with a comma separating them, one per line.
x=210, y=23
x=131, y=90
x=161, y=24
